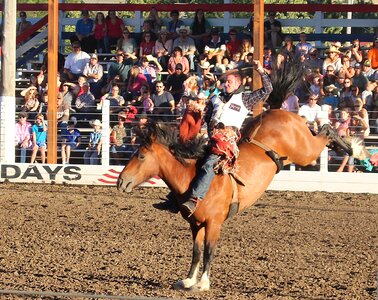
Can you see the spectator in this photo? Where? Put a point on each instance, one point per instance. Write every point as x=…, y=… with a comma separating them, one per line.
x=75, y=62
x=71, y=139
x=316, y=86
x=200, y=30
x=78, y=89
x=150, y=67
x=215, y=50
x=288, y=47
x=42, y=108
x=205, y=70
x=234, y=44
x=303, y=47
x=331, y=96
x=31, y=101
x=127, y=44
x=314, y=61
x=291, y=103
x=94, y=72
x=174, y=23
x=248, y=29
x=368, y=71
x=273, y=31
x=191, y=86
x=186, y=43
x=93, y=151
x=163, y=101
x=85, y=104
x=116, y=102
x=330, y=76
x=39, y=138
x=346, y=70
x=23, y=25
x=175, y=83
x=62, y=111
x=99, y=32
x=136, y=81
x=332, y=59
x=67, y=94
x=372, y=55
x=147, y=44
x=22, y=137
x=367, y=95
x=84, y=33
x=177, y=57
x=147, y=28
x=115, y=28
x=147, y=103
x=359, y=79
x=163, y=48
x=154, y=19
x=363, y=115
x=267, y=59
x=120, y=67
x=346, y=101
x=246, y=48
x=356, y=53
x=118, y=144
x=311, y=111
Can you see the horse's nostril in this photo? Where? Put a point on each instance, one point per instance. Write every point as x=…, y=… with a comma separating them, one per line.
x=119, y=183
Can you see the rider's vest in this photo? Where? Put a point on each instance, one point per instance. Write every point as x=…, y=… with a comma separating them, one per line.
x=233, y=112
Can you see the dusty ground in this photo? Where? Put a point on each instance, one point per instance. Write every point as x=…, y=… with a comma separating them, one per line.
x=95, y=240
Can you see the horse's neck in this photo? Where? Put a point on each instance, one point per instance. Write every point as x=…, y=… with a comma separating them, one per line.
x=175, y=174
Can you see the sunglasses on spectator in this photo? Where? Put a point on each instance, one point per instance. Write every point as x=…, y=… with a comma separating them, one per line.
x=159, y=86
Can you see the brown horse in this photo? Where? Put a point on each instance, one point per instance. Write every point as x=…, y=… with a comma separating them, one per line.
x=284, y=132
x=272, y=139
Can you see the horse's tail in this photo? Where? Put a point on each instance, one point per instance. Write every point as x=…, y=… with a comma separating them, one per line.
x=285, y=78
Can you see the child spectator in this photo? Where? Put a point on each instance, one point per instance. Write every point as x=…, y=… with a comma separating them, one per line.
x=118, y=140
x=147, y=103
x=85, y=104
x=93, y=151
x=71, y=139
x=39, y=133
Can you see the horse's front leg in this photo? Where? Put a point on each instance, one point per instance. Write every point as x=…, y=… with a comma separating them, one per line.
x=212, y=233
x=198, y=234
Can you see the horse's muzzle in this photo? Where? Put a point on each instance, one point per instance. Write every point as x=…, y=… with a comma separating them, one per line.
x=125, y=185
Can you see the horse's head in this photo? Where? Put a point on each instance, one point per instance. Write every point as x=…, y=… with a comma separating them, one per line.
x=144, y=164
x=160, y=153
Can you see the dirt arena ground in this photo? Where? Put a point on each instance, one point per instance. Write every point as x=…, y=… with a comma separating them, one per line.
x=95, y=240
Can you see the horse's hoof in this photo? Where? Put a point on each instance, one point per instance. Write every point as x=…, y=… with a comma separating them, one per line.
x=185, y=284
x=200, y=287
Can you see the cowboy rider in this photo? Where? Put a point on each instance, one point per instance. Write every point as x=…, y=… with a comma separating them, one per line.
x=229, y=111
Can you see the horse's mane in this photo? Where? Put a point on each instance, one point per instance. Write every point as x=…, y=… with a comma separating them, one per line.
x=285, y=79
x=169, y=136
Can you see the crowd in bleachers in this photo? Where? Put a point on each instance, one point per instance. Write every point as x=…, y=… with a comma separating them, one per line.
x=170, y=69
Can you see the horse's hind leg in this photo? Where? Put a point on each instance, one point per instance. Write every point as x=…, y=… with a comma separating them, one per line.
x=198, y=238
x=333, y=137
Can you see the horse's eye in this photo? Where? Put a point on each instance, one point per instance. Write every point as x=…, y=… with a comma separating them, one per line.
x=141, y=156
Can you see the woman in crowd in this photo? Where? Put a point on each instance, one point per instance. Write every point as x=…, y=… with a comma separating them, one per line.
x=126, y=43
x=100, y=32
x=147, y=44
x=200, y=30
x=154, y=19
x=136, y=81
x=176, y=58
x=115, y=27
x=163, y=48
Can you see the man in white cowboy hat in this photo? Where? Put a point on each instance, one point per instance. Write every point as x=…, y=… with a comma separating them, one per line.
x=93, y=151
x=205, y=70
x=332, y=59
x=186, y=43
